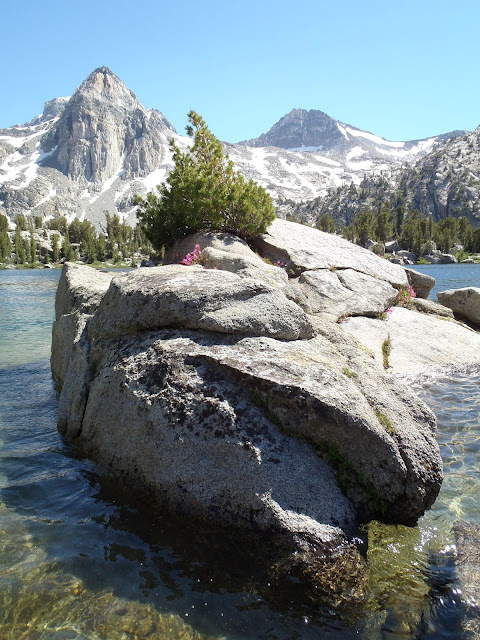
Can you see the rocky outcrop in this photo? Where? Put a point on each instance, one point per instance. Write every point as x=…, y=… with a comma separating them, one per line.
x=437, y=257
x=419, y=344
x=194, y=298
x=228, y=253
x=465, y=303
x=227, y=401
x=421, y=283
x=302, y=248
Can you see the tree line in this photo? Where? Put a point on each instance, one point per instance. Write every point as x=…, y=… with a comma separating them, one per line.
x=413, y=230
x=56, y=240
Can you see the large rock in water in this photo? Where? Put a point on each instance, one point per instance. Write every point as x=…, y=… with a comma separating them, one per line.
x=465, y=303
x=228, y=401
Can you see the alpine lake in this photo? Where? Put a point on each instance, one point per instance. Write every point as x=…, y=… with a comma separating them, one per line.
x=82, y=558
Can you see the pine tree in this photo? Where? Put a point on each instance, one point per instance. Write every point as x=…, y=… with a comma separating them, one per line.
x=67, y=249
x=55, y=247
x=203, y=192
x=19, y=249
x=384, y=223
x=33, y=248
x=326, y=223
x=5, y=246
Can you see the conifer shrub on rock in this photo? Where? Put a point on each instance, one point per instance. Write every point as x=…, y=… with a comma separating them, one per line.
x=203, y=192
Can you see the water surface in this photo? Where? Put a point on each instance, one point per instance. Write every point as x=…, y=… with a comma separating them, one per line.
x=81, y=557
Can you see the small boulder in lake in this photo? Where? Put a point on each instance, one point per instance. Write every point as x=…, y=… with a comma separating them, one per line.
x=465, y=303
x=467, y=569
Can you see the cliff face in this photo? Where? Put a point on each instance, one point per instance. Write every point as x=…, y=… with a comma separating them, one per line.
x=104, y=131
x=447, y=181
x=302, y=128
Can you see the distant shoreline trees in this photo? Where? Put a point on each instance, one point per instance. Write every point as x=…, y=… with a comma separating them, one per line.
x=35, y=242
x=413, y=230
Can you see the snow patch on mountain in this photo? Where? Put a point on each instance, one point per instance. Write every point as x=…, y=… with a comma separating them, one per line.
x=370, y=136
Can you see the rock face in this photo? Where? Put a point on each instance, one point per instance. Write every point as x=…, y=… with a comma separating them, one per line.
x=303, y=248
x=102, y=129
x=228, y=401
x=194, y=298
x=464, y=303
x=421, y=283
x=420, y=344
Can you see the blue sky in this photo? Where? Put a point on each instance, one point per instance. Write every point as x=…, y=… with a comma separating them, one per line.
x=401, y=70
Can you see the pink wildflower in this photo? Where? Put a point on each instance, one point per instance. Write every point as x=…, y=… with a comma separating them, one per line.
x=194, y=257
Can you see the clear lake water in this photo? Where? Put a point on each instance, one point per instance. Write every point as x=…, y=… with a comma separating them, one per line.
x=80, y=558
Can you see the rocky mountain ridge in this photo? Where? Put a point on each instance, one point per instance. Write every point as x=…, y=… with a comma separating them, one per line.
x=444, y=183
x=93, y=151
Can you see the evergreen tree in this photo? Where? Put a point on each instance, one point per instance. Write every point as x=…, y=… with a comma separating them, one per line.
x=326, y=223
x=3, y=222
x=383, y=227
x=33, y=248
x=364, y=224
x=19, y=248
x=59, y=223
x=400, y=218
x=67, y=249
x=101, y=247
x=21, y=222
x=55, y=247
x=203, y=192
x=5, y=244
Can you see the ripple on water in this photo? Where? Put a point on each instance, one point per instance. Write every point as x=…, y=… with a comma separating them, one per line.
x=79, y=560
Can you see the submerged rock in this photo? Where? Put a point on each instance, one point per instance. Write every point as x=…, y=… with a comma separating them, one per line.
x=226, y=400
x=467, y=566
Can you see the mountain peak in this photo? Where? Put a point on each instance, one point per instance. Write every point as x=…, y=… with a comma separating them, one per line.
x=104, y=131
x=103, y=84
x=301, y=128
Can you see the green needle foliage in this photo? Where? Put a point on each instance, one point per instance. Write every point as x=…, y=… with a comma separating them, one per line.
x=203, y=192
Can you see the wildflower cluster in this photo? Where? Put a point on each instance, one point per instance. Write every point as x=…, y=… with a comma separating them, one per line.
x=279, y=263
x=404, y=297
x=195, y=257
x=342, y=319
